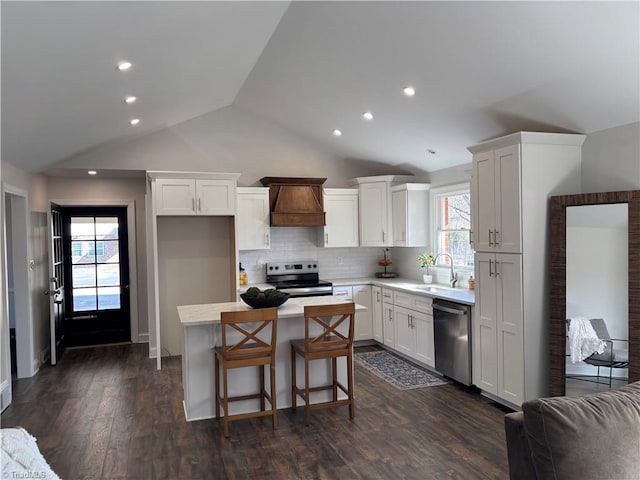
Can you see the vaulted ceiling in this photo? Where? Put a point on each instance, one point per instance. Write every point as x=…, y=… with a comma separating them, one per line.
x=480, y=70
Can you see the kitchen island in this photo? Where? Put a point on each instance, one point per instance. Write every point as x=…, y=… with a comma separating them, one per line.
x=201, y=332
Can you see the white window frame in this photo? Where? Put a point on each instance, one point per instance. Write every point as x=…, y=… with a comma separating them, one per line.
x=434, y=194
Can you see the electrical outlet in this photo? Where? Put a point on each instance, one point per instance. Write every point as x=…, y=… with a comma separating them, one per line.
x=339, y=260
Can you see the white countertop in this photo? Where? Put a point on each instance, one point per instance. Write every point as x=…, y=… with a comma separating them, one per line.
x=460, y=295
x=210, y=312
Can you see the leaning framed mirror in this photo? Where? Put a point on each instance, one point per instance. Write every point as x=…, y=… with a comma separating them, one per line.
x=595, y=282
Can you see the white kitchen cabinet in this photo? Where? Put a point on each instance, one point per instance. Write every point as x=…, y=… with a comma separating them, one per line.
x=377, y=314
x=341, y=208
x=410, y=214
x=498, y=364
x=414, y=334
x=178, y=196
x=388, y=327
x=375, y=230
x=343, y=292
x=253, y=218
x=364, y=320
x=513, y=177
x=496, y=206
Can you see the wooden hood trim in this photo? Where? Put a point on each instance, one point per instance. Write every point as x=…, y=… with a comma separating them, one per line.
x=295, y=202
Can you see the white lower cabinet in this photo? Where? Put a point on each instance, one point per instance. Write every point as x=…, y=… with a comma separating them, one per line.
x=388, y=327
x=376, y=314
x=498, y=359
x=360, y=294
x=414, y=327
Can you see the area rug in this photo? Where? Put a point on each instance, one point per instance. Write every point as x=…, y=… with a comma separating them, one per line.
x=397, y=371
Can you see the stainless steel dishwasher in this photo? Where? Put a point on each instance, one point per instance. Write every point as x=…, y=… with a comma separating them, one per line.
x=452, y=328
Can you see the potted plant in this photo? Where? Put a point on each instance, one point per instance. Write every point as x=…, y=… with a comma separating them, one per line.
x=425, y=260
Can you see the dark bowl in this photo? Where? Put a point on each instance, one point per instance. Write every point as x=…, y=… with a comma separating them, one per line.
x=256, y=302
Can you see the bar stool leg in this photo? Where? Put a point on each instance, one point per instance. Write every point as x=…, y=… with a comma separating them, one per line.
x=272, y=381
x=334, y=379
x=293, y=380
x=217, y=395
x=352, y=405
x=306, y=392
x=225, y=402
x=261, y=373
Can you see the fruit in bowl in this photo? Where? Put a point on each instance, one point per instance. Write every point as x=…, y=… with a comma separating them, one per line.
x=384, y=262
x=256, y=298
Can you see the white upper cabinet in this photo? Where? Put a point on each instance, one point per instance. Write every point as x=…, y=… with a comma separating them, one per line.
x=497, y=203
x=177, y=193
x=375, y=230
x=253, y=218
x=341, y=208
x=410, y=207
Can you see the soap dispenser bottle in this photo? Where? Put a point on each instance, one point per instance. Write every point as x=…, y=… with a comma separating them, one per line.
x=243, y=275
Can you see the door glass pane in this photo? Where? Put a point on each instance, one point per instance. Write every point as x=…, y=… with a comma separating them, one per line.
x=82, y=228
x=108, y=274
x=107, y=251
x=84, y=299
x=107, y=228
x=83, y=275
x=108, y=297
x=82, y=252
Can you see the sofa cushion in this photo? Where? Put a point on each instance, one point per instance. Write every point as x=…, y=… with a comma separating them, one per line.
x=594, y=436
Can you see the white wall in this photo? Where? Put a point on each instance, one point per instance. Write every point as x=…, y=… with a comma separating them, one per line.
x=5, y=358
x=611, y=159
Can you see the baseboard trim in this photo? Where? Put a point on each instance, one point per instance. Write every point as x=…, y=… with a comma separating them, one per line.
x=143, y=338
x=153, y=352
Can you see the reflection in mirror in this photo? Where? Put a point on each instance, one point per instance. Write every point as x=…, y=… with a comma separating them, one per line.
x=596, y=297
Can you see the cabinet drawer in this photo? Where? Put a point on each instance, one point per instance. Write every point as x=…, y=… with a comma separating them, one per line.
x=345, y=293
x=387, y=295
x=413, y=302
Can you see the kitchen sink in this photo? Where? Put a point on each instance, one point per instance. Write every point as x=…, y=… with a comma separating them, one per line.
x=435, y=289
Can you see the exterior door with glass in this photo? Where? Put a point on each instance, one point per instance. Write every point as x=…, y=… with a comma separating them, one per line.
x=96, y=266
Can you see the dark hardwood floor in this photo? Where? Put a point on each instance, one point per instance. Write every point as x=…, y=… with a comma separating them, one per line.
x=105, y=412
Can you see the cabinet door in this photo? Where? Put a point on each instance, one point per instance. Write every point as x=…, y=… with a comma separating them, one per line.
x=374, y=215
x=399, y=215
x=483, y=206
x=485, y=349
x=507, y=170
x=175, y=196
x=509, y=327
x=253, y=218
x=404, y=337
x=377, y=314
x=388, y=329
x=341, y=210
x=216, y=197
x=423, y=332
x=364, y=324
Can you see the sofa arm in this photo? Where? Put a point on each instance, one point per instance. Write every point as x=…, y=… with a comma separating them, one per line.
x=518, y=452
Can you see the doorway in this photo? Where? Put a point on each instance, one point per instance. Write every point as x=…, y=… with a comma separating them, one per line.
x=96, y=275
x=17, y=270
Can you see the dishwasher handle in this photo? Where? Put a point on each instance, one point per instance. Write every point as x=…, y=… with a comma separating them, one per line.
x=449, y=310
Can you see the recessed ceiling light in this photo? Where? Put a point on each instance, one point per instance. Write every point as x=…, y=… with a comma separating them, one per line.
x=367, y=116
x=431, y=152
x=92, y=172
x=409, y=91
x=124, y=66
x=130, y=99
x=134, y=121
x=337, y=132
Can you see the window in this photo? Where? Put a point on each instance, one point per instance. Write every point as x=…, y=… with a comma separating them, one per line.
x=452, y=226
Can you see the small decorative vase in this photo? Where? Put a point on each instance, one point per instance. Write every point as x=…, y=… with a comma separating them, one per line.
x=427, y=278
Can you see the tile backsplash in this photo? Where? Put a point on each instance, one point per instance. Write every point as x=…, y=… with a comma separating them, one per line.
x=302, y=243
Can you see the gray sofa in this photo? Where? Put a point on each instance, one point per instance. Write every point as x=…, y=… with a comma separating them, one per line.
x=595, y=436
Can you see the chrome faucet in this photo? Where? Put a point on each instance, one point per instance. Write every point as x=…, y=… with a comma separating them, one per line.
x=453, y=276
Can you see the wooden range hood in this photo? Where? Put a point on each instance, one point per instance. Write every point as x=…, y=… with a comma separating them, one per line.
x=295, y=202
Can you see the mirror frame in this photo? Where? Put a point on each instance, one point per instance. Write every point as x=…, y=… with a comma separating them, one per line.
x=558, y=300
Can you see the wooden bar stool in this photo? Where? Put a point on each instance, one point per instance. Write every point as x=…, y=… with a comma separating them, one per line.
x=329, y=343
x=256, y=347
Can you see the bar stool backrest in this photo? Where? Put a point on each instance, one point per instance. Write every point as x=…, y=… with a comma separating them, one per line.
x=253, y=331
x=330, y=318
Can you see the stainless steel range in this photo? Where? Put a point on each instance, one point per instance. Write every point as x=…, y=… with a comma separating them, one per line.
x=299, y=279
